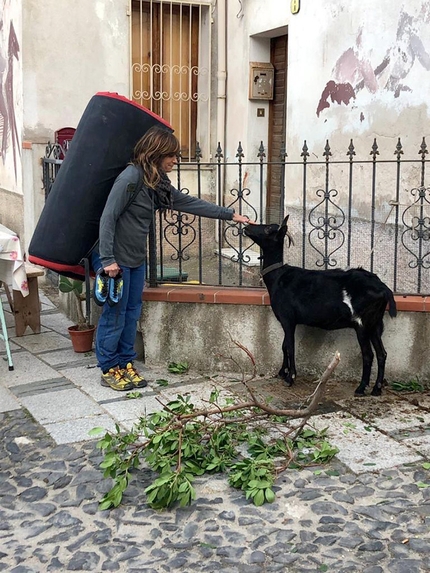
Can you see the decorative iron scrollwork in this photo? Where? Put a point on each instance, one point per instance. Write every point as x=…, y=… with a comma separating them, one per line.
x=326, y=228
x=55, y=151
x=179, y=225
x=416, y=221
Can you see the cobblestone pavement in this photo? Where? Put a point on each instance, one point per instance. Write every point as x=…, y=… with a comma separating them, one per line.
x=368, y=511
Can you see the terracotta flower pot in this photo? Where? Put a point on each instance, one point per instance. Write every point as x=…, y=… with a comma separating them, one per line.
x=82, y=340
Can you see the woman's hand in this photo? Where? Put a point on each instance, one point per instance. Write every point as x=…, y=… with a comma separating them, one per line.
x=244, y=219
x=112, y=270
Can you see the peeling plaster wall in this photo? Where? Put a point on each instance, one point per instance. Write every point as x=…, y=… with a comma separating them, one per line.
x=360, y=70
x=11, y=105
x=355, y=70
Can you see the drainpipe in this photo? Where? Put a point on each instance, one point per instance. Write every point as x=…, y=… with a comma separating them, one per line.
x=221, y=72
x=222, y=79
x=221, y=100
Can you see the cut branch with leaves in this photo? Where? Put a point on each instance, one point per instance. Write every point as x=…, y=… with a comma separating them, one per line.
x=180, y=442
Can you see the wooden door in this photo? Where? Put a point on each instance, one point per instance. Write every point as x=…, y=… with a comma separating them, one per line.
x=277, y=129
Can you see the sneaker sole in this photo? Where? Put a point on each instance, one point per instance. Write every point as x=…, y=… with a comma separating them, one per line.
x=142, y=384
x=100, y=301
x=112, y=301
x=126, y=388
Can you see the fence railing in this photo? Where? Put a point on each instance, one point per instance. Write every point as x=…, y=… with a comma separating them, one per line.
x=372, y=212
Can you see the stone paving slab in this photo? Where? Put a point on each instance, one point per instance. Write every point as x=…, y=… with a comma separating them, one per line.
x=60, y=406
x=42, y=387
x=124, y=410
x=48, y=340
x=56, y=321
x=77, y=430
x=419, y=443
x=67, y=357
x=27, y=368
x=380, y=412
x=46, y=303
x=362, y=446
x=8, y=401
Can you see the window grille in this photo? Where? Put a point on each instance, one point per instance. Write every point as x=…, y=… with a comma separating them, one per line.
x=171, y=46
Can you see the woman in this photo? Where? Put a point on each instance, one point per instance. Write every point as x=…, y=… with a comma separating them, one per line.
x=120, y=262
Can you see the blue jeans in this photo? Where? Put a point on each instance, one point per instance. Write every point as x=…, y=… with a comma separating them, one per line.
x=117, y=325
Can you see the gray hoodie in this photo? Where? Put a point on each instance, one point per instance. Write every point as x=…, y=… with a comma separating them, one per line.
x=123, y=232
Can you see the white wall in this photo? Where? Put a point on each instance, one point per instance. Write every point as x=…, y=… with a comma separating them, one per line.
x=71, y=51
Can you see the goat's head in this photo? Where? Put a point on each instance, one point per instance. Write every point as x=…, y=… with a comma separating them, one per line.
x=269, y=236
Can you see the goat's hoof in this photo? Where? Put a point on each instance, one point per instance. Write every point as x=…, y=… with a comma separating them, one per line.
x=376, y=392
x=359, y=393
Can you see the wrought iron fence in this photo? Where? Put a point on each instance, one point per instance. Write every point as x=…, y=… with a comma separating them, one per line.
x=372, y=212
x=51, y=163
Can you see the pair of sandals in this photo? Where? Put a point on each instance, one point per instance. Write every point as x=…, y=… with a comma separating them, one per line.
x=107, y=289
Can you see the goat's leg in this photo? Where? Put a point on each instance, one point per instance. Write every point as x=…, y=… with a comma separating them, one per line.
x=288, y=368
x=367, y=357
x=381, y=357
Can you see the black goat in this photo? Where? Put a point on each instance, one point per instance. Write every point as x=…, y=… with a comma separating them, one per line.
x=329, y=299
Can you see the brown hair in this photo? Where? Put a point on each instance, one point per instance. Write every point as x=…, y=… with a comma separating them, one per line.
x=151, y=149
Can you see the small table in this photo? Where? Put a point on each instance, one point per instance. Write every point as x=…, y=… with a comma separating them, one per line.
x=14, y=272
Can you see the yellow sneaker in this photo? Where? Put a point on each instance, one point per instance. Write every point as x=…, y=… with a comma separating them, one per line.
x=130, y=374
x=115, y=379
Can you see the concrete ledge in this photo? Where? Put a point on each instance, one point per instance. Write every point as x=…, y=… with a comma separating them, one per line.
x=254, y=296
x=176, y=326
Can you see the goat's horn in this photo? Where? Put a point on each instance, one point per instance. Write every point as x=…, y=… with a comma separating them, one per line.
x=290, y=239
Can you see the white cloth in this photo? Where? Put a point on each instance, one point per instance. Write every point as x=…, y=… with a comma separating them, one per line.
x=12, y=267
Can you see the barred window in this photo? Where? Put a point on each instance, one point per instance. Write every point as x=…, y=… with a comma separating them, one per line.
x=171, y=66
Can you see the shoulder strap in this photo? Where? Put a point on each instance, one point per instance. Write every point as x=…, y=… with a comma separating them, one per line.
x=134, y=189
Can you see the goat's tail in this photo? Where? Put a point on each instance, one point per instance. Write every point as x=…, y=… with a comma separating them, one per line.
x=392, y=308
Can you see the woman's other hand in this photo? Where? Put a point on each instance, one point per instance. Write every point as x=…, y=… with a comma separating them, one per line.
x=244, y=219
x=112, y=270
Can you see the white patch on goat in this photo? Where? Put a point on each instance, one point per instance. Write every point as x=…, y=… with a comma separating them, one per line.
x=347, y=301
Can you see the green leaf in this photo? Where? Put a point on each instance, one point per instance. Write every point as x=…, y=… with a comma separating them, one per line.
x=162, y=382
x=107, y=504
x=178, y=367
x=422, y=485
x=96, y=431
x=133, y=395
x=269, y=495
x=426, y=465
x=259, y=498
x=207, y=545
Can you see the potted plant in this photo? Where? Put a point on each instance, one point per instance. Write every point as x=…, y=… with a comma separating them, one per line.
x=82, y=333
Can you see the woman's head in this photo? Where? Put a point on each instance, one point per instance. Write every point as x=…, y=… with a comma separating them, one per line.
x=156, y=151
